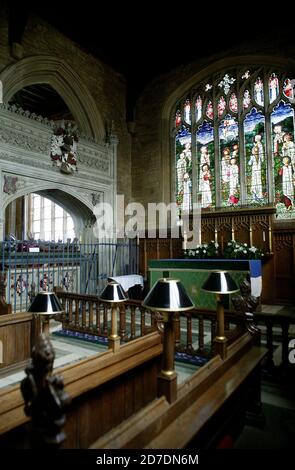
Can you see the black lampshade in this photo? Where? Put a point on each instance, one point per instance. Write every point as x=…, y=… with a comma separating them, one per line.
x=220, y=282
x=168, y=295
x=113, y=292
x=46, y=303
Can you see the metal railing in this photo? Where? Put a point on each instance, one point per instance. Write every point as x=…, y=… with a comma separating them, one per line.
x=30, y=267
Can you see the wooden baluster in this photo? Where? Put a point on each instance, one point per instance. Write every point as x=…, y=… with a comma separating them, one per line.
x=201, y=334
x=213, y=334
x=133, y=326
x=213, y=329
x=105, y=320
x=142, y=322
x=176, y=326
x=285, y=343
x=70, y=313
x=269, y=345
x=122, y=327
x=189, y=334
x=84, y=314
x=154, y=321
x=97, y=316
x=76, y=313
x=90, y=306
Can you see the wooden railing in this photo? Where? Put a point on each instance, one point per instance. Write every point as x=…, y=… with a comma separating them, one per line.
x=86, y=314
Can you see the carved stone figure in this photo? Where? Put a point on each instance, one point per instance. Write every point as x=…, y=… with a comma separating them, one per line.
x=44, y=397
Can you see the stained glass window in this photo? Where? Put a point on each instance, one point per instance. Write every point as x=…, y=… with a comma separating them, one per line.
x=234, y=141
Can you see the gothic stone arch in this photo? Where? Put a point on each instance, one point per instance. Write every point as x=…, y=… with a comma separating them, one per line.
x=55, y=72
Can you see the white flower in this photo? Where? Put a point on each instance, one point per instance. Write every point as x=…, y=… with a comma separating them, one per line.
x=253, y=249
x=204, y=251
x=205, y=245
x=235, y=250
x=216, y=246
x=245, y=244
x=245, y=251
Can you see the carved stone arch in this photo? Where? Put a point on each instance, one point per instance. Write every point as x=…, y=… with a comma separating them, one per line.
x=66, y=82
x=197, y=76
x=76, y=204
x=47, y=186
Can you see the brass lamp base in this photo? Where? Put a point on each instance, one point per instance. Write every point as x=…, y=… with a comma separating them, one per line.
x=114, y=342
x=167, y=385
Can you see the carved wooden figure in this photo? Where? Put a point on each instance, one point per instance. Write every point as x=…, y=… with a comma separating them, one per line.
x=44, y=396
x=245, y=304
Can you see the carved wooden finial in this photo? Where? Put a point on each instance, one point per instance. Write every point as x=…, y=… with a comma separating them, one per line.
x=245, y=304
x=44, y=396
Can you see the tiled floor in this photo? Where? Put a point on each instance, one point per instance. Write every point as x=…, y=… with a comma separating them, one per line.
x=69, y=350
x=66, y=351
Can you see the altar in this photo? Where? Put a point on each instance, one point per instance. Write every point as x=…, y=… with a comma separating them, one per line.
x=193, y=273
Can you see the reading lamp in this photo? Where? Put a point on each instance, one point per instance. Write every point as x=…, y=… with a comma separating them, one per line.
x=220, y=283
x=168, y=296
x=114, y=294
x=47, y=305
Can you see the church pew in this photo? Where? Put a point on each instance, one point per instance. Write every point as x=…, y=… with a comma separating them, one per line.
x=105, y=389
x=17, y=333
x=210, y=404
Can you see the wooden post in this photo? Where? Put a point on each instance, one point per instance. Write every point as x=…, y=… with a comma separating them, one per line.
x=167, y=379
x=220, y=339
x=45, y=325
x=114, y=339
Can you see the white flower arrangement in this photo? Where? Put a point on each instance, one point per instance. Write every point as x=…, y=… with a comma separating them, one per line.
x=204, y=251
x=237, y=250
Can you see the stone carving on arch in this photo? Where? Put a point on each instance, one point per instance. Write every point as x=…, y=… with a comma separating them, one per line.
x=57, y=73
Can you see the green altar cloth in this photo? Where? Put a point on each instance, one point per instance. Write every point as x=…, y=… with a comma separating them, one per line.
x=193, y=273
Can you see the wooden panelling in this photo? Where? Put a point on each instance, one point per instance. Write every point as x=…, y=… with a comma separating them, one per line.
x=160, y=426
x=157, y=248
x=16, y=337
x=105, y=389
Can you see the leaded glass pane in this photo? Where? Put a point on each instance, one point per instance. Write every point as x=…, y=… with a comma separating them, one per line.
x=221, y=106
x=246, y=99
x=198, y=108
x=282, y=124
x=273, y=85
x=255, y=162
x=183, y=170
x=205, y=162
x=233, y=103
x=229, y=163
x=209, y=110
x=288, y=89
x=258, y=92
x=187, y=111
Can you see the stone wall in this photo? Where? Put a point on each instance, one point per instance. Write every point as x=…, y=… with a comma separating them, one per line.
x=107, y=87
